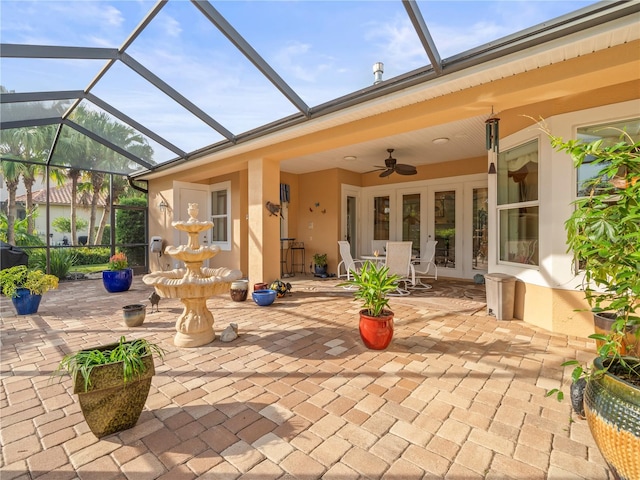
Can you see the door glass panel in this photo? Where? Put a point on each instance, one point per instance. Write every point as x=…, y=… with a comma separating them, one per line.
x=445, y=228
x=480, y=202
x=381, y=218
x=411, y=221
x=351, y=225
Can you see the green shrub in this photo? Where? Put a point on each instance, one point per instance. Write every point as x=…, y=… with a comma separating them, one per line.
x=92, y=255
x=61, y=260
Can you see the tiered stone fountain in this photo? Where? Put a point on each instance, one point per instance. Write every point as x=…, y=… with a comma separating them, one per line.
x=193, y=284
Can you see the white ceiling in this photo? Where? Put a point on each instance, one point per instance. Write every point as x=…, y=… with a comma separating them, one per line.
x=466, y=140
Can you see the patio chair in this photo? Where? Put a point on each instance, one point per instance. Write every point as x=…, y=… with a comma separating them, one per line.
x=398, y=260
x=347, y=262
x=379, y=246
x=426, y=267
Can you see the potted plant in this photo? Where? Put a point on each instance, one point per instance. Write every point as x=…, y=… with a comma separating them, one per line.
x=320, y=262
x=371, y=285
x=25, y=287
x=119, y=276
x=112, y=382
x=603, y=233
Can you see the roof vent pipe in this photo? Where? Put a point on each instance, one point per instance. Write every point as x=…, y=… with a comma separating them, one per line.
x=378, y=70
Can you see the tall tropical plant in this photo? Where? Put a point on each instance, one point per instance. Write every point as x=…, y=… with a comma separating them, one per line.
x=11, y=174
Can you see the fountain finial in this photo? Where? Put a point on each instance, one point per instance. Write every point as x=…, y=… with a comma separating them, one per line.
x=193, y=212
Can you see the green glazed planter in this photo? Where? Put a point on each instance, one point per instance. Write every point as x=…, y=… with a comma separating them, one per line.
x=111, y=406
x=612, y=408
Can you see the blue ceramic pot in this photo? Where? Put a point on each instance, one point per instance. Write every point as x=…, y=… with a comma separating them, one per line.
x=26, y=303
x=115, y=281
x=264, y=298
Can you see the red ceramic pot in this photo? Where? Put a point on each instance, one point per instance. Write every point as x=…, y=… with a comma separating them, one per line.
x=376, y=332
x=260, y=286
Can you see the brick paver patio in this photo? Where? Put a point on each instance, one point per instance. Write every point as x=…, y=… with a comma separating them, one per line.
x=457, y=395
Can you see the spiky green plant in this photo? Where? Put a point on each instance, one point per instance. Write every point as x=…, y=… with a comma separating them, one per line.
x=129, y=353
x=372, y=283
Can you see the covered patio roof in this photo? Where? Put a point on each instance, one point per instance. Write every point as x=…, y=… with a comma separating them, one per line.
x=158, y=83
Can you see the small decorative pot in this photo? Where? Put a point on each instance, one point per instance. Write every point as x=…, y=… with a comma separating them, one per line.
x=319, y=271
x=264, y=298
x=260, y=286
x=133, y=315
x=239, y=290
x=376, y=332
x=115, y=281
x=26, y=303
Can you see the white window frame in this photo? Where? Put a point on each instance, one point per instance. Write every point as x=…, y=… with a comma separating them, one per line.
x=226, y=218
x=517, y=205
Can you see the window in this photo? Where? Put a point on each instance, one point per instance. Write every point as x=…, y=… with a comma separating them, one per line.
x=518, y=210
x=381, y=218
x=610, y=134
x=221, y=215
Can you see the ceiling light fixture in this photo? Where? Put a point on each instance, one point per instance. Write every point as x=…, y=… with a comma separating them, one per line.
x=350, y=158
x=440, y=141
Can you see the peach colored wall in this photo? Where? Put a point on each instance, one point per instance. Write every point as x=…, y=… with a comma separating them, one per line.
x=561, y=311
x=320, y=188
x=160, y=223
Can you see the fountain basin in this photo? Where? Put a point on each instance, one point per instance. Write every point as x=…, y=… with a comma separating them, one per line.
x=186, y=254
x=172, y=284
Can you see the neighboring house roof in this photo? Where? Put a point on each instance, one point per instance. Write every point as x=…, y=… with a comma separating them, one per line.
x=61, y=195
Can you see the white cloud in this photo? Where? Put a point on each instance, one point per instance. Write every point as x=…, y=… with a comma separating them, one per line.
x=299, y=60
x=397, y=43
x=171, y=27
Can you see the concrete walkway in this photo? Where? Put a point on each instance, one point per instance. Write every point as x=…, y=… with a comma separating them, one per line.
x=457, y=395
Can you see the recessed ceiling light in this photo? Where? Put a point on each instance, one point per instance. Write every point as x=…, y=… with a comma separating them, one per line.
x=440, y=141
x=350, y=158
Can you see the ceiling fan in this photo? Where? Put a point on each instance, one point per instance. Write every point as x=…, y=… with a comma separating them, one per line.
x=391, y=166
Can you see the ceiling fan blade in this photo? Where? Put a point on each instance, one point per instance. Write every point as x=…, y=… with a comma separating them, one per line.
x=386, y=173
x=403, y=169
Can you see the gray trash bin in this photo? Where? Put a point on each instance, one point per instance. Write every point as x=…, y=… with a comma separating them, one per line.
x=501, y=289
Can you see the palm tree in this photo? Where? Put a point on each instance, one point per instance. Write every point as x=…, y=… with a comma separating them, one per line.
x=120, y=186
x=73, y=147
x=37, y=142
x=11, y=174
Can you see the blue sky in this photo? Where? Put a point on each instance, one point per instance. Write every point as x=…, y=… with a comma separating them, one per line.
x=322, y=49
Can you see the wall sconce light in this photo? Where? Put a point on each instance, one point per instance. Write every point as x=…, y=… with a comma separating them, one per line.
x=492, y=168
x=163, y=206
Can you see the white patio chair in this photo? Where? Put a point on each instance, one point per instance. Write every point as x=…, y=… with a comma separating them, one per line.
x=398, y=261
x=426, y=267
x=347, y=263
x=378, y=246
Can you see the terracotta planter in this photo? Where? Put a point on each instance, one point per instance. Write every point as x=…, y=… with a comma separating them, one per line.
x=110, y=406
x=612, y=408
x=376, y=332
